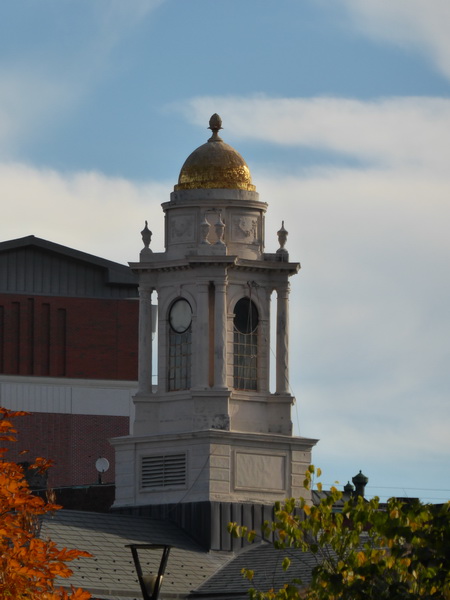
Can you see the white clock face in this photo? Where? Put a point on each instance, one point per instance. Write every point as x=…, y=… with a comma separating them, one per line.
x=180, y=315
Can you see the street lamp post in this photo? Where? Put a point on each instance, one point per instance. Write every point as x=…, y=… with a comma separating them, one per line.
x=150, y=584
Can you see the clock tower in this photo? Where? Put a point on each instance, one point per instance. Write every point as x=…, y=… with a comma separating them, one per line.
x=211, y=432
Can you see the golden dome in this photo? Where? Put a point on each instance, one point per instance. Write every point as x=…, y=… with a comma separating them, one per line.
x=215, y=165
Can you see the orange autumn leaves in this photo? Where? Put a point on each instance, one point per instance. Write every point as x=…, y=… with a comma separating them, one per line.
x=28, y=564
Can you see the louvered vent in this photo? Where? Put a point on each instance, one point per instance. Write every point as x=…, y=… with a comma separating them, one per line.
x=163, y=471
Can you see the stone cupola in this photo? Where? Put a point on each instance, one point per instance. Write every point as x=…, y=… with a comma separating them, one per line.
x=212, y=430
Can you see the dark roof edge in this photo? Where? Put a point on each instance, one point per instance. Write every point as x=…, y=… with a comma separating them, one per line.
x=117, y=272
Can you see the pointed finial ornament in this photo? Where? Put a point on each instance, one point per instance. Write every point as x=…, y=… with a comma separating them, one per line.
x=146, y=235
x=282, y=237
x=204, y=230
x=215, y=124
x=282, y=253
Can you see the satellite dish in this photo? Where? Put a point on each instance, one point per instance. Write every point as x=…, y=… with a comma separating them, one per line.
x=102, y=465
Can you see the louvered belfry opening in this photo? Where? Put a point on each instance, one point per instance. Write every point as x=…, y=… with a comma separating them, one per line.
x=166, y=470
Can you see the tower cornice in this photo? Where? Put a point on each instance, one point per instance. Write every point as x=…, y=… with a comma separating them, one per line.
x=160, y=264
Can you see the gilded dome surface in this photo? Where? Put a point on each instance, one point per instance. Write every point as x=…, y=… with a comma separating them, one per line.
x=215, y=165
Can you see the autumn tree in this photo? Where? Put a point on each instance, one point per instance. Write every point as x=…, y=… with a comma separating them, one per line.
x=28, y=564
x=368, y=551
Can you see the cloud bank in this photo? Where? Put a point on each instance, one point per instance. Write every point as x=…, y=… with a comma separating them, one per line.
x=369, y=310
x=87, y=211
x=417, y=24
x=391, y=132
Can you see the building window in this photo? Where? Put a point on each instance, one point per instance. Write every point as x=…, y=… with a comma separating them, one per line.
x=166, y=470
x=180, y=334
x=245, y=345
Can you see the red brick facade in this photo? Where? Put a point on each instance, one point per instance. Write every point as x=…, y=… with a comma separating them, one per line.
x=74, y=442
x=83, y=338
x=67, y=315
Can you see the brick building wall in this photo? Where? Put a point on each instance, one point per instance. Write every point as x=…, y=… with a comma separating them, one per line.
x=88, y=338
x=73, y=441
x=68, y=354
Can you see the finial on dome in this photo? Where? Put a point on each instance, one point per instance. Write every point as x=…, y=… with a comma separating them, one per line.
x=215, y=165
x=215, y=124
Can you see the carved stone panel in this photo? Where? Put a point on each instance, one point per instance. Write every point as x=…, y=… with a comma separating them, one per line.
x=181, y=229
x=259, y=472
x=245, y=228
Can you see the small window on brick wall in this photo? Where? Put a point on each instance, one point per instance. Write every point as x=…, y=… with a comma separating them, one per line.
x=167, y=470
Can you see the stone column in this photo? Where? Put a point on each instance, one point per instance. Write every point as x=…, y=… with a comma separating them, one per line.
x=200, y=355
x=282, y=370
x=220, y=335
x=264, y=342
x=145, y=340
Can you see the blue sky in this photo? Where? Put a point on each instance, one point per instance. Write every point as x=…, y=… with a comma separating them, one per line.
x=341, y=109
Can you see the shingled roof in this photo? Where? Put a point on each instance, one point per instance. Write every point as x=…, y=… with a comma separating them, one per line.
x=265, y=561
x=191, y=571
x=110, y=573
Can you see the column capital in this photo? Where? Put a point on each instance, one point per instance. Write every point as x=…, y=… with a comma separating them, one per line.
x=202, y=283
x=283, y=288
x=222, y=280
x=145, y=288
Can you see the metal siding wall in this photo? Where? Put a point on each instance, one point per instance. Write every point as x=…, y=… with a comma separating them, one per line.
x=74, y=397
x=33, y=271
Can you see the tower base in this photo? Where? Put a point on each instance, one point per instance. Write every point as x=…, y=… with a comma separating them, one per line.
x=210, y=466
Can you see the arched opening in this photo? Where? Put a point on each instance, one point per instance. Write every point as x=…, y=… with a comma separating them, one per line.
x=180, y=345
x=245, y=345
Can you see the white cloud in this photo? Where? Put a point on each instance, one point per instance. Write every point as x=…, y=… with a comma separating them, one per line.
x=422, y=24
x=369, y=309
x=391, y=131
x=85, y=211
